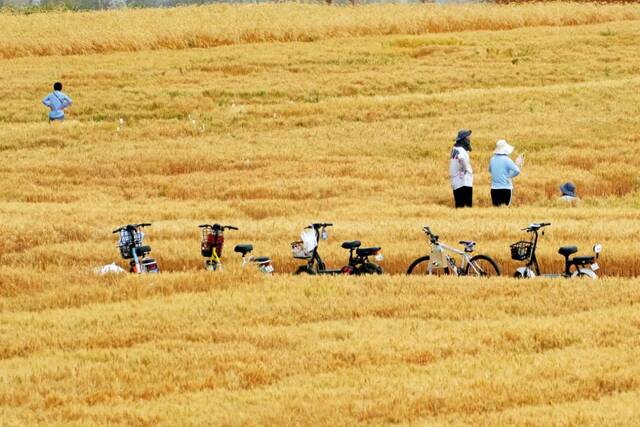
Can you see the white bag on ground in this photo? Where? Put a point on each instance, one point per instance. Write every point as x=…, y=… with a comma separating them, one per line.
x=309, y=240
x=112, y=268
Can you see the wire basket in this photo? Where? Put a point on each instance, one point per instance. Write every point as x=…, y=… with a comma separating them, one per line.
x=211, y=239
x=298, y=251
x=521, y=250
x=129, y=238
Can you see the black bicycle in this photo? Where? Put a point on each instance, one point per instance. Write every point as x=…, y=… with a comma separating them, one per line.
x=440, y=262
x=578, y=266
x=358, y=263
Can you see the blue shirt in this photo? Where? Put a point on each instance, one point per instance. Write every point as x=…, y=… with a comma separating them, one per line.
x=502, y=169
x=57, y=101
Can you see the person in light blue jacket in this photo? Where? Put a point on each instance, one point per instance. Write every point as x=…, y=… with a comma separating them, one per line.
x=502, y=170
x=56, y=101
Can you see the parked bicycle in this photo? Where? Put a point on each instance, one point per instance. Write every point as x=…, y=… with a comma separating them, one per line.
x=132, y=249
x=358, y=263
x=212, y=243
x=578, y=266
x=440, y=262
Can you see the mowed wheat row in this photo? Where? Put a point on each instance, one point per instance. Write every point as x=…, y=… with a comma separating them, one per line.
x=351, y=126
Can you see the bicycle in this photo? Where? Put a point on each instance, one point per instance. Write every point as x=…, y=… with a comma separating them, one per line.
x=211, y=245
x=440, y=262
x=358, y=263
x=578, y=266
x=131, y=248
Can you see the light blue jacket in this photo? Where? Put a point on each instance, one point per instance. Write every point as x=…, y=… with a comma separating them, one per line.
x=502, y=169
x=57, y=101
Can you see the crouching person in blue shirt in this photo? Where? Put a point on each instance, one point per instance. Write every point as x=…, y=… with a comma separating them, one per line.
x=56, y=101
x=502, y=170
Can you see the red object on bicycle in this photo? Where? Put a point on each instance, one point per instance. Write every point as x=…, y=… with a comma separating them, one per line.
x=211, y=239
x=347, y=270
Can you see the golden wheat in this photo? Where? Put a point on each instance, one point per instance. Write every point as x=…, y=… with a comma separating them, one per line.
x=67, y=33
x=354, y=128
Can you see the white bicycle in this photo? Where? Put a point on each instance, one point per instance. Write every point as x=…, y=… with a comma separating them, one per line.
x=440, y=262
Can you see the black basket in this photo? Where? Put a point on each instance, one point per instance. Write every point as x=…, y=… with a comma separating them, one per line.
x=521, y=251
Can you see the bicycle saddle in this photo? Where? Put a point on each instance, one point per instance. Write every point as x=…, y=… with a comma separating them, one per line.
x=469, y=245
x=262, y=260
x=351, y=244
x=567, y=250
x=244, y=248
x=367, y=251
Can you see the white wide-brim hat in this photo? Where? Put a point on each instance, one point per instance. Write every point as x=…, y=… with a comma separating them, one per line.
x=502, y=147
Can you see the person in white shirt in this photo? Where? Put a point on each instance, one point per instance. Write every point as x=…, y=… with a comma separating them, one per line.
x=460, y=171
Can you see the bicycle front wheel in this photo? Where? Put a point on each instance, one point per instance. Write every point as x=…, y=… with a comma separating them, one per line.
x=482, y=266
x=423, y=266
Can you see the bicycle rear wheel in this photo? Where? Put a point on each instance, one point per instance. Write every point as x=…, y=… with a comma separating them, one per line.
x=482, y=266
x=421, y=266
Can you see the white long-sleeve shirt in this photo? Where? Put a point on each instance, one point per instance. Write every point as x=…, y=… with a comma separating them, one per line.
x=460, y=170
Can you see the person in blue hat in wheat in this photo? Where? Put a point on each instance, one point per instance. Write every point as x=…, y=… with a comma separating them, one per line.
x=568, y=192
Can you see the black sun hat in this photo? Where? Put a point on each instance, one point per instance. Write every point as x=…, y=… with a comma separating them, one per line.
x=463, y=134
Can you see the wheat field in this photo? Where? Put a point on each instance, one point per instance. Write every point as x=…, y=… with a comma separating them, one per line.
x=270, y=117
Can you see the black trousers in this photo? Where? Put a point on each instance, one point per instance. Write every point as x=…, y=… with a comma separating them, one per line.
x=463, y=197
x=501, y=197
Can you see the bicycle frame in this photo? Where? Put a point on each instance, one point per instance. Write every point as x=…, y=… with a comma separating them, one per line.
x=533, y=259
x=213, y=260
x=434, y=255
x=439, y=257
x=315, y=256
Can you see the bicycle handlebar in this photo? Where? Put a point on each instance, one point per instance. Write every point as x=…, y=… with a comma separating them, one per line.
x=218, y=226
x=317, y=225
x=143, y=224
x=536, y=226
x=433, y=237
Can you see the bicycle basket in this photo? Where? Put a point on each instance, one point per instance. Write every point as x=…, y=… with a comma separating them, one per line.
x=298, y=251
x=211, y=239
x=521, y=250
x=129, y=239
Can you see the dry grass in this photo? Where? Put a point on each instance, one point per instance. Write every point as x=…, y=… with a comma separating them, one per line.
x=354, y=130
x=201, y=27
